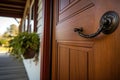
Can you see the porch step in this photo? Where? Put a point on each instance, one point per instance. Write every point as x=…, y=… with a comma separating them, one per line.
x=11, y=68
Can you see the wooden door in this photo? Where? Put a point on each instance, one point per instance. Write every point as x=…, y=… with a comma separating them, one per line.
x=78, y=58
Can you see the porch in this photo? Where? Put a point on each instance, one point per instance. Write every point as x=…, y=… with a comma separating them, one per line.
x=11, y=68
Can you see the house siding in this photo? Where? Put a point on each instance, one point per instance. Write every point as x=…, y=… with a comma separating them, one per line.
x=40, y=19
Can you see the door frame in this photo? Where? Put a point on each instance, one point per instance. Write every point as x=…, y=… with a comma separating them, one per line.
x=46, y=55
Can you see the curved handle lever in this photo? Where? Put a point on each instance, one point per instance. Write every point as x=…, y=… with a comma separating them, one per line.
x=108, y=24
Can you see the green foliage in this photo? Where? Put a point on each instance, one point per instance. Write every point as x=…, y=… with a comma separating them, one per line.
x=8, y=35
x=0, y=44
x=11, y=31
x=19, y=44
x=3, y=42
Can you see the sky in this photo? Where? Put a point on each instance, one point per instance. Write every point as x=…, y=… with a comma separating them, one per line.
x=5, y=22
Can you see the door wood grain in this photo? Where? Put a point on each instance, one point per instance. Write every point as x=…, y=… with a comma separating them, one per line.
x=78, y=58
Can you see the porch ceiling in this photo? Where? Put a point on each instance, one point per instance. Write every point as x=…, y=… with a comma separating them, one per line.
x=12, y=8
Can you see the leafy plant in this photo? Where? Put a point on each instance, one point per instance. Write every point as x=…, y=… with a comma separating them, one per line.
x=20, y=44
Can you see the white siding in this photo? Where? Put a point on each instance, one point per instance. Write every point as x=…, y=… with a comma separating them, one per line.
x=40, y=18
x=33, y=69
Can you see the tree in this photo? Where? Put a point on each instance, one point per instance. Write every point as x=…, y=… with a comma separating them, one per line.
x=11, y=31
x=3, y=42
x=9, y=34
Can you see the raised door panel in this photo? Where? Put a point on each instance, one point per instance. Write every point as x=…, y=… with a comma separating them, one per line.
x=63, y=4
x=74, y=62
x=78, y=65
x=71, y=0
x=77, y=13
x=63, y=63
x=72, y=8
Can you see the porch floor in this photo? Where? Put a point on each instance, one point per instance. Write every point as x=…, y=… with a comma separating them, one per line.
x=11, y=68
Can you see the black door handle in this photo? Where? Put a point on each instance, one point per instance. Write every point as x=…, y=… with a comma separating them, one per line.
x=108, y=24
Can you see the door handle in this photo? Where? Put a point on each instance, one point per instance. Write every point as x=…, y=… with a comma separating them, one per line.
x=108, y=24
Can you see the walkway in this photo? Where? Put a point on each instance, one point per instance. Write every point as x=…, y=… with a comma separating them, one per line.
x=11, y=69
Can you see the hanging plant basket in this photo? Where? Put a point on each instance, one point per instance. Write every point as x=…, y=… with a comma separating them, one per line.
x=29, y=54
x=25, y=44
